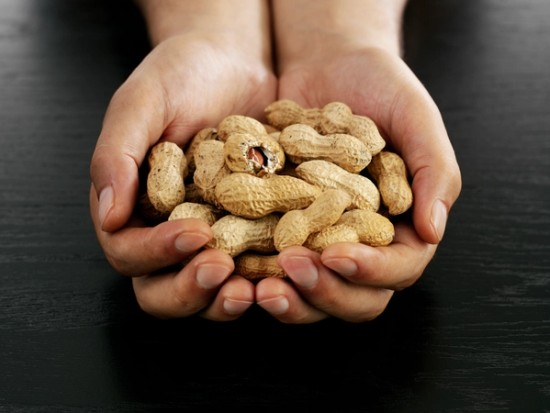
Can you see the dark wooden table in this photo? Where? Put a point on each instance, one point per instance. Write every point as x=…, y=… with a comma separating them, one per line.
x=472, y=335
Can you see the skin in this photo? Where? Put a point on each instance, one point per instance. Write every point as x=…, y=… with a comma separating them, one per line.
x=232, y=72
x=361, y=65
x=193, y=78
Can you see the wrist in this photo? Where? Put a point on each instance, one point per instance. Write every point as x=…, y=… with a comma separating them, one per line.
x=237, y=25
x=312, y=32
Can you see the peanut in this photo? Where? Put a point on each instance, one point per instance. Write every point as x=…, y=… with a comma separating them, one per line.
x=258, y=155
x=234, y=235
x=270, y=129
x=283, y=113
x=254, y=266
x=295, y=180
x=165, y=181
x=372, y=228
x=318, y=241
x=389, y=171
x=325, y=175
x=239, y=124
x=356, y=225
x=303, y=143
x=337, y=117
x=295, y=226
x=204, y=212
x=252, y=197
x=334, y=117
x=202, y=135
x=210, y=169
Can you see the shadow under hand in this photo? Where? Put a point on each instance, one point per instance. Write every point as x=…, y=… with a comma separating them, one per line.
x=257, y=361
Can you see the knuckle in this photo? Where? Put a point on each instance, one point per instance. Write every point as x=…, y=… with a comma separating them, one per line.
x=408, y=282
x=367, y=315
x=413, y=276
x=119, y=265
x=451, y=171
x=145, y=305
x=146, y=302
x=183, y=302
x=374, y=310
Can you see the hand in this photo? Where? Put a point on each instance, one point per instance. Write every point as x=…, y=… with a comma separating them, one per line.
x=186, y=83
x=352, y=281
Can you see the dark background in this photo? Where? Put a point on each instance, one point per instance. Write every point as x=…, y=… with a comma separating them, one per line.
x=472, y=335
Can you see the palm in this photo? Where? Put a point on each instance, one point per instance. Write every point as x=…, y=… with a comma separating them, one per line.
x=371, y=82
x=381, y=86
x=179, y=88
x=198, y=89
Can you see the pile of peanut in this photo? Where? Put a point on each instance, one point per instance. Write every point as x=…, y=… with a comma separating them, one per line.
x=310, y=177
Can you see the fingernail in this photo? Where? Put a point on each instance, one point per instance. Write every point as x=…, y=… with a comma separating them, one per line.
x=105, y=203
x=343, y=266
x=211, y=276
x=302, y=271
x=235, y=307
x=190, y=241
x=276, y=305
x=439, y=218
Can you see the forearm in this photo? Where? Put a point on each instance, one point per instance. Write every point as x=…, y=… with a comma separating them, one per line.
x=236, y=23
x=317, y=29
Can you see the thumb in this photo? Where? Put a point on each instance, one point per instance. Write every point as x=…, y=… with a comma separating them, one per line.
x=133, y=122
x=435, y=187
x=421, y=137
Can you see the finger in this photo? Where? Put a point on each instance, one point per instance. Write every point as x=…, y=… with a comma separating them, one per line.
x=413, y=126
x=133, y=121
x=327, y=291
x=234, y=298
x=394, y=267
x=418, y=133
x=436, y=185
x=183, y=293
x=282, y=301
x=137, y=250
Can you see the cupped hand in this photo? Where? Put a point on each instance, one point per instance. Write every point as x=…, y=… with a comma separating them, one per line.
x=183, y=85
x=355, y=282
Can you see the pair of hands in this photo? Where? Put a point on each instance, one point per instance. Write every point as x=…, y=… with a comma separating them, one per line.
x=186, y=84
